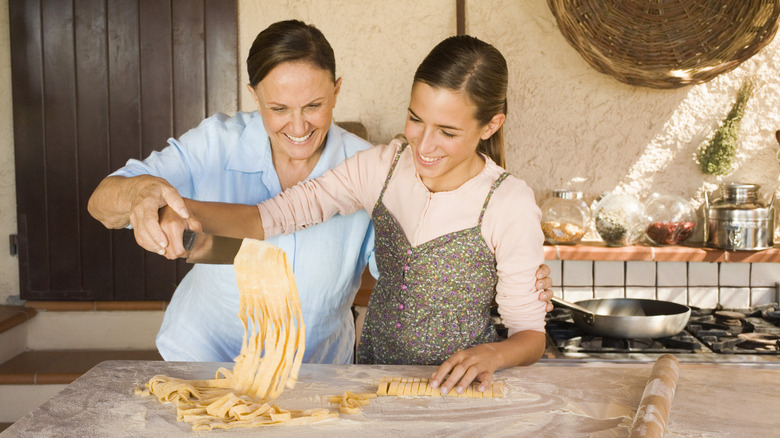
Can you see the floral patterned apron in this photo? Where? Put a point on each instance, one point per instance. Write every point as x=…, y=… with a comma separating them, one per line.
x=431, y=300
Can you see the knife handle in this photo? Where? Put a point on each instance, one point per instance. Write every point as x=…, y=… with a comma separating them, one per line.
x=188, y=239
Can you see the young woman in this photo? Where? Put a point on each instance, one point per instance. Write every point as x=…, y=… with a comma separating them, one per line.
x=453, y=229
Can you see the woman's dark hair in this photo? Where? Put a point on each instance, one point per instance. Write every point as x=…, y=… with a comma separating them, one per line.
x=286, y=41
x=466, y=64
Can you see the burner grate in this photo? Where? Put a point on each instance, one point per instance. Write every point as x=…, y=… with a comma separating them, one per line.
x=569, y=338
x=730, y=332
x=722, y=331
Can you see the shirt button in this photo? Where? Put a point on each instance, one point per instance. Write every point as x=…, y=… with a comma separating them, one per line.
x=408, y=252
x=406, y=268
x=401, y=306
x=403, y=287
x=398, y=325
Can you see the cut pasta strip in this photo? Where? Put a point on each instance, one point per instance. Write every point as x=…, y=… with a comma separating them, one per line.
x=382, y=389
x=270, y=359
x=350, y=402
x=408, y=386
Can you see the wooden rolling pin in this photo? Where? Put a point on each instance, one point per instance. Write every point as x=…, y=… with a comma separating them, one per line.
x=653, y=411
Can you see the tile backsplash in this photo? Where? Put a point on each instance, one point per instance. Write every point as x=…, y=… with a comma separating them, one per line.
x=700, y=284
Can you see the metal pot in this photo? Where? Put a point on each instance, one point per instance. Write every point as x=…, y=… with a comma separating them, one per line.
x=737, y=220
x=628, y=318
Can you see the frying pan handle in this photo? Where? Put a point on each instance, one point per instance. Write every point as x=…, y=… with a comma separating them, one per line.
x=588, y=315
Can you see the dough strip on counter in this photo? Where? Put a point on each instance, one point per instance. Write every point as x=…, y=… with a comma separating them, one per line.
x=415, y=386
x=653, y=412
x=350, y=402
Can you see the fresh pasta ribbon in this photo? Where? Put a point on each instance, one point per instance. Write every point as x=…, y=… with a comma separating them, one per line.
x=270, y=359
x=270, y=307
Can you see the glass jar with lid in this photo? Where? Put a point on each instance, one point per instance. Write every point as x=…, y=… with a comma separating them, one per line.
x=670, y=219
x=619, y=219
x=565, y=217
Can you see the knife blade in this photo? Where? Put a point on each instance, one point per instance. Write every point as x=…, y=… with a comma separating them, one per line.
x=210, y=249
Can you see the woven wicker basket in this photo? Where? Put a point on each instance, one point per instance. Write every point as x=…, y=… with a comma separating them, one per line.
x=666, y=43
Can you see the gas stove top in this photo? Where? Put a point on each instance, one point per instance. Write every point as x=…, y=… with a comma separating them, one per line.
x=712, y=335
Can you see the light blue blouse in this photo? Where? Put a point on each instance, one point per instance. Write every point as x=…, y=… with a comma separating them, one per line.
x=228, y=159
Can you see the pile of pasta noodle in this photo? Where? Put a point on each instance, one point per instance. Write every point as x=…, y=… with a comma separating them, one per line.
x=270, y=358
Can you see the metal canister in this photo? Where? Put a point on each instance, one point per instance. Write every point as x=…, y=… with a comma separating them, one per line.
x=738, y=220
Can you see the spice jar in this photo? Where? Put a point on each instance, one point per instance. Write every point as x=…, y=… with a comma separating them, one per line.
x=670, y=219
x=565, y=217
x=619, y=219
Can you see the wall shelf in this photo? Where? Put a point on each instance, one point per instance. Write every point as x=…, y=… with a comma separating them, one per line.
x=597, y=251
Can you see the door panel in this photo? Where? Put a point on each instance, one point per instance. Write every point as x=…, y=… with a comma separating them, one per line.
x=92, y=134
x=96, y=82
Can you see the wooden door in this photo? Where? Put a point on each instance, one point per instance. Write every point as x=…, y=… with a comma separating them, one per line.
x=96, y=82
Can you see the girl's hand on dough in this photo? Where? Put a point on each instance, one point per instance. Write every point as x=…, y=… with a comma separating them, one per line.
x=462, y=368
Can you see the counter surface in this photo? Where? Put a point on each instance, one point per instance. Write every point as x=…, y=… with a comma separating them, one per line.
x=546, y=399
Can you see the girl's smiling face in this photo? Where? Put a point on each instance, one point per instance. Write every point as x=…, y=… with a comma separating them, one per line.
x=444, y=135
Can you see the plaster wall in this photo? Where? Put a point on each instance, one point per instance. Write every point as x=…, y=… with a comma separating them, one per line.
x=572, y=127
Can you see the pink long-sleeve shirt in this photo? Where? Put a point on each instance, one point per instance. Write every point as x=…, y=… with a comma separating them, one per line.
x=510, y=225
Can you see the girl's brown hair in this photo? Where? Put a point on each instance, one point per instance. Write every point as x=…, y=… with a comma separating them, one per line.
x=466, y=64
x=288, y=41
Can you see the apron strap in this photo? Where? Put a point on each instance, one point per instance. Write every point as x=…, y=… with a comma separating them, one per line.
x=497, y=183
x=392, y=169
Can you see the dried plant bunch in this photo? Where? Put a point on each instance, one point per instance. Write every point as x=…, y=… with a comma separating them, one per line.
x=716, y=157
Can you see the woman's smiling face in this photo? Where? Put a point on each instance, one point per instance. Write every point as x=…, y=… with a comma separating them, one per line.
x=296, y=101
x=444, y=135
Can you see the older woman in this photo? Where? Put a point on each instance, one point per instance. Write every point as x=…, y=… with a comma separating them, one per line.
x=246, y=159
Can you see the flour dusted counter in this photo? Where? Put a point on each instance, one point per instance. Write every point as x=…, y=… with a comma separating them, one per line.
x=548, y=399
